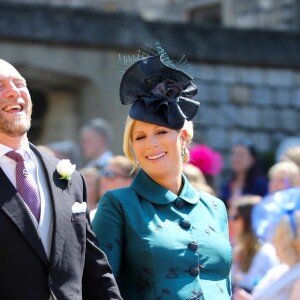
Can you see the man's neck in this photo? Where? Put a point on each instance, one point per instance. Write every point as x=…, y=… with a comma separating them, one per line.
x=13, y=142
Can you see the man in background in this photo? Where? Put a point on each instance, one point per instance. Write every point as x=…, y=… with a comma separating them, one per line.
x=95, y=141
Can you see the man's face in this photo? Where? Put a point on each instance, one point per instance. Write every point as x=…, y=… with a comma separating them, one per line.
x=91, y=143
x=15, y=102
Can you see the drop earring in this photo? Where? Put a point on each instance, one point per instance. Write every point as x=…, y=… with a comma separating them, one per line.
x=183, y=153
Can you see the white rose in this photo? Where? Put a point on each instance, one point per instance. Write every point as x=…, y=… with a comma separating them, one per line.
x=65, y=169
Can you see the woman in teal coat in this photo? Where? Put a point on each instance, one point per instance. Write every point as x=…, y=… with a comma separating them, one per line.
x=163, y=238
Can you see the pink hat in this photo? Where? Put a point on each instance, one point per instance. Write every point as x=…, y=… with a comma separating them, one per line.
x=209, y=161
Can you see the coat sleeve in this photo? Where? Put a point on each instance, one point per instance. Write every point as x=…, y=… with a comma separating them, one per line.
x=98, y=281
x=108, y=224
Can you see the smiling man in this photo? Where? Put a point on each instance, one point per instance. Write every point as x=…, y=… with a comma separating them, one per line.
x=48, y=250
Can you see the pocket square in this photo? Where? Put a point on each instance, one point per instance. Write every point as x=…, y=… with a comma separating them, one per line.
x=79, y=207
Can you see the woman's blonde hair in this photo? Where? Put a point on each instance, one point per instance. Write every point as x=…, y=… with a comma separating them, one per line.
x=127, y=141
x=288, y=168
x=287, y=240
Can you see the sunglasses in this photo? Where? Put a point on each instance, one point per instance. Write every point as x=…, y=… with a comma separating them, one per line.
x=112, y=174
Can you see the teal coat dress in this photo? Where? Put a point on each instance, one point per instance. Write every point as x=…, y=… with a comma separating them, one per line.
x=162, y=246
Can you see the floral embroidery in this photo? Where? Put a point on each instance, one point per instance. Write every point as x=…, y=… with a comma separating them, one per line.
x=173, y=273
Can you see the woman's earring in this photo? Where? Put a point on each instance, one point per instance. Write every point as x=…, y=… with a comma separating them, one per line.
x=183, y=153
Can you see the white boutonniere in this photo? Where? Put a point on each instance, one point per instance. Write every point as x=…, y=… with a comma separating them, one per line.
x=65, y=169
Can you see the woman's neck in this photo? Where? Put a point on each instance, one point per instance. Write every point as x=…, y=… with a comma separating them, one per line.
x=171, y=183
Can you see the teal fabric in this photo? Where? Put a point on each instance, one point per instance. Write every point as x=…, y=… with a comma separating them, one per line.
x=139, y=229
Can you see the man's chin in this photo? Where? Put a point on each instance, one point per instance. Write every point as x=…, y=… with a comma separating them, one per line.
x=15, y=131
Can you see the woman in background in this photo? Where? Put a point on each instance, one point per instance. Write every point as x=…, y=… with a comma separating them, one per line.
x=163, y=238
x=251, y=257
x=278, y=219
x=247, y=175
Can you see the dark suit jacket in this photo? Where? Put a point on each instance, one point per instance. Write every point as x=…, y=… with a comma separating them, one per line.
x=77, y=269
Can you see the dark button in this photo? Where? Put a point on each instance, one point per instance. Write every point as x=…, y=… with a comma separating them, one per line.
x=194, y=271
x=193, y=246
x=179, y=203
x=185, y=224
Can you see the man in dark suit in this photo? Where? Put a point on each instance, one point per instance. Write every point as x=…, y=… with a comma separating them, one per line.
x=48, y=250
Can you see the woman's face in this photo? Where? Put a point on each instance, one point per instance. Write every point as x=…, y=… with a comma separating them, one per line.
x=158, y=149
x=241, y=158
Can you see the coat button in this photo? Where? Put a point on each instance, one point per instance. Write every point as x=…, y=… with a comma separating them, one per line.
x=179, y=203
x=194, y=271
x=185, y=224
x=193, y=246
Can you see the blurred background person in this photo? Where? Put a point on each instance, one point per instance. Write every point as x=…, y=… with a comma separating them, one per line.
x=95, y=138
x=278, y=220
x=252, y=258
x=118, y=173
x=292, y=153
x=66, y=149
x=197, y=179
x=247, y=173
x=283, y=175
x=283, y=148
x=92, y=179
x=208, y=161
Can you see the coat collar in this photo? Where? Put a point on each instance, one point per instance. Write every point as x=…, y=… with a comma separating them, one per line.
x=157, y=194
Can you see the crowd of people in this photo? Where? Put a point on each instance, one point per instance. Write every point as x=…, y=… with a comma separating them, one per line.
x=151, y=222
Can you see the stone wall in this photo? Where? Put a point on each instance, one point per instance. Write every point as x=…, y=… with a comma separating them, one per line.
x=249, y=81
x=260, y=103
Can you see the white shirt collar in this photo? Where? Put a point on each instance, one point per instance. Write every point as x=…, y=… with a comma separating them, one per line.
x=25, y=148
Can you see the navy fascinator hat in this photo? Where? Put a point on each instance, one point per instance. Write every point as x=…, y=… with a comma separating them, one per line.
x=158, y=93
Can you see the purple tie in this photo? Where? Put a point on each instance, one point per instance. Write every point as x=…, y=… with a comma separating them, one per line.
x=25, y=186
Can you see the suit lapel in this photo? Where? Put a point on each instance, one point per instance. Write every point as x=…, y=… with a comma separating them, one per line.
x=62, y=215
x=13, y=205
x=62, y=205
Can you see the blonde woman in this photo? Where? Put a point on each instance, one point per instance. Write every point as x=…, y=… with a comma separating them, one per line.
x=163, y=238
